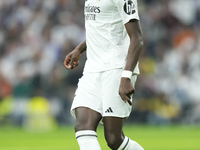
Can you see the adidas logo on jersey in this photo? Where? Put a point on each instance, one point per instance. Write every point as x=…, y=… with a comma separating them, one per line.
x=109, y=110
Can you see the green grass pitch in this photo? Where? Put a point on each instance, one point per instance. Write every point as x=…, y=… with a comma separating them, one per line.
x=150, y=137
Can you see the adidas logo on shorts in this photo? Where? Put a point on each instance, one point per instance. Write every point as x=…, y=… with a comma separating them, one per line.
x=109, y=110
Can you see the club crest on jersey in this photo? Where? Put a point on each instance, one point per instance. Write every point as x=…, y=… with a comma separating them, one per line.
x=129, y=7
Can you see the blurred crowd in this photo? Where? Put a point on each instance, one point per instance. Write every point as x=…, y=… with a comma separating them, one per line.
x=36, y=35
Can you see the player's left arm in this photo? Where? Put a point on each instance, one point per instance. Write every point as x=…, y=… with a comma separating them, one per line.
x=133, y=28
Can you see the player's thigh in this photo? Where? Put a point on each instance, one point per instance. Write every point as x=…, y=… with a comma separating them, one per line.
x=113, y=131
x=86, y=119
x=113, y=127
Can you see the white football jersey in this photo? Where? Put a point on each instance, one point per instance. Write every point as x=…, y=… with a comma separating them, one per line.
x=106, y=37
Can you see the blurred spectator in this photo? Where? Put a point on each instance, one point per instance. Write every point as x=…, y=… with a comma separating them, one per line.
x=5, y=88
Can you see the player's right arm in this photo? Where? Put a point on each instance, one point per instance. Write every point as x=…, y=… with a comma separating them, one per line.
x=72, y=59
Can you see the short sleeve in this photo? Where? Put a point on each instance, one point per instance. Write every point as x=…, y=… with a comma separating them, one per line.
x=128, y=9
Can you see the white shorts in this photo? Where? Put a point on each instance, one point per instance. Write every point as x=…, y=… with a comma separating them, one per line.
x=99, y=91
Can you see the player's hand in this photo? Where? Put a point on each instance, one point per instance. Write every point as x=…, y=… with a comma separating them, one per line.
x=126, y=90
x=72, y=59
